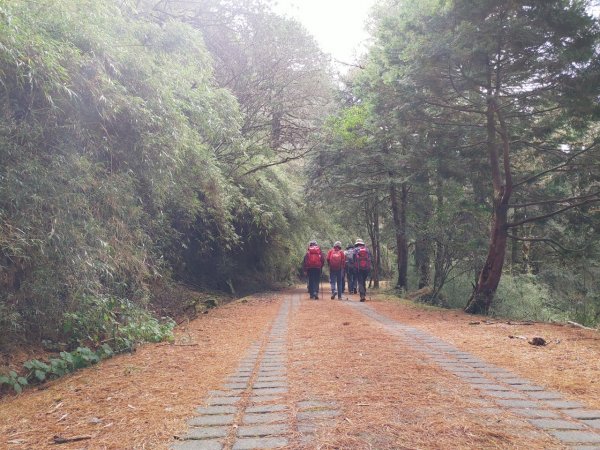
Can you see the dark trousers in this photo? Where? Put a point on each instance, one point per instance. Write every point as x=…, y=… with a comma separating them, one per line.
x=352, y=278
x=362, y=282
x=335, y=279
x=314, y=276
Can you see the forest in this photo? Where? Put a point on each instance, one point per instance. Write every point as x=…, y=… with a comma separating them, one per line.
x=155, y=154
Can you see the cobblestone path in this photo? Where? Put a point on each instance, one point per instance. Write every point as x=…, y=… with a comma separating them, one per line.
x=569, y=422
x=250, y=412
x=253, y=410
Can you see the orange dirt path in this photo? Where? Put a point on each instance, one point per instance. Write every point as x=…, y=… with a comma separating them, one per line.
x=389, y=395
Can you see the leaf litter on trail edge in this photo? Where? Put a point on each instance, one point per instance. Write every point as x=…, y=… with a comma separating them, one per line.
x=165, y=394
x=569, y=363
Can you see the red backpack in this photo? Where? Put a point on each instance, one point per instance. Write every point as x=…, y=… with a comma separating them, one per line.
x=314, y=258
x=363, y=259
x=335, y=260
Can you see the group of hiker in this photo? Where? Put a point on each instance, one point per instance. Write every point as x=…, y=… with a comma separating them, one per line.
x=350, y=266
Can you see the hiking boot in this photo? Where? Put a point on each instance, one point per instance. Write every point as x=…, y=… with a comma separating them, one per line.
x=332, y=296
x=316, y=297
x=339, y=297
x=362, y=298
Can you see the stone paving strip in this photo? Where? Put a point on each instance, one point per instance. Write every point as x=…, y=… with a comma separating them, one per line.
x=568, y=421
x=313, y=415
x=250, y=411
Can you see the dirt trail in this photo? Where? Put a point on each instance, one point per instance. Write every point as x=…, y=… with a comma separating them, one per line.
x=283, y=371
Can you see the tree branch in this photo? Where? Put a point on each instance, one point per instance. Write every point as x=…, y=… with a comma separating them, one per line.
x=559, y=166
x=553, y=213
x=279, y=162
x=549, y=241
x=555, y=200
x=508, y=182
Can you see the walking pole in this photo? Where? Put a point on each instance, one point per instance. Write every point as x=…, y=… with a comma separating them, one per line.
x=321, y=282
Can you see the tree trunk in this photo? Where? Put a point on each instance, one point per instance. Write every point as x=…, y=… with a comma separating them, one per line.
x=399, y=218
x=423, y=261
x=440, y=252
x=375, y=246
x=515, y=251
x=372, y=218
x=403, y=274
x=423, y=242
x=489, y=276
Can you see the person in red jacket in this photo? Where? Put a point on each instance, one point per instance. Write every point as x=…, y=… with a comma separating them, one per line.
x=336, y=260
x=313, y=265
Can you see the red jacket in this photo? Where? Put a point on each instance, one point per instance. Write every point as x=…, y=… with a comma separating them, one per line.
x=342, y=255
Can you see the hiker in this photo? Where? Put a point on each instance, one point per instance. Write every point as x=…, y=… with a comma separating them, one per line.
x=313, y=264
x=350, y=269
x=362, y=261
x=335, y=260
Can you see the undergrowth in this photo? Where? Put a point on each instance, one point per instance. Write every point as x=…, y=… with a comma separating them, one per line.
x=140, y=328
x=531, y=297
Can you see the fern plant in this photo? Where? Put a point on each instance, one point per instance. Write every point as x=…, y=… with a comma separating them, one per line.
x=14, y=381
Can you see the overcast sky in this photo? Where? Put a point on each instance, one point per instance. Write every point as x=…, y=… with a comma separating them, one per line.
x=337, y=25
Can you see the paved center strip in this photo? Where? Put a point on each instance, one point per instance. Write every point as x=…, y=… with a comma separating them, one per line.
x=249, y=412
x=569, y=422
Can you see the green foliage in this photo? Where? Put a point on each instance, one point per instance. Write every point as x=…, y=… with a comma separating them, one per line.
x=39, y=371
x=534, y=297
x=117, y=320
x=123, y=165
x=575, y=289
x=457, y=289
x=14, y=381
x=80, y=358
x=522, y=297
x=145, y=329
x=58, y=367
x=9, y=320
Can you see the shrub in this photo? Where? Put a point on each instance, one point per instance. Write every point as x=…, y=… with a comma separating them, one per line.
x=523, y=297
x=118, y=320
x=14, y=381
x=9, y=322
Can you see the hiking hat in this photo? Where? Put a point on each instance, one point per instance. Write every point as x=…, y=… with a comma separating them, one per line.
x=359, y=242
x=337, y=244
x=349, y=247
x=313, y=242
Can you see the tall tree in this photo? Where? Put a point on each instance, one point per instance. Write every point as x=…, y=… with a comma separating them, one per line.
x=275, y=69
x=500, y=67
